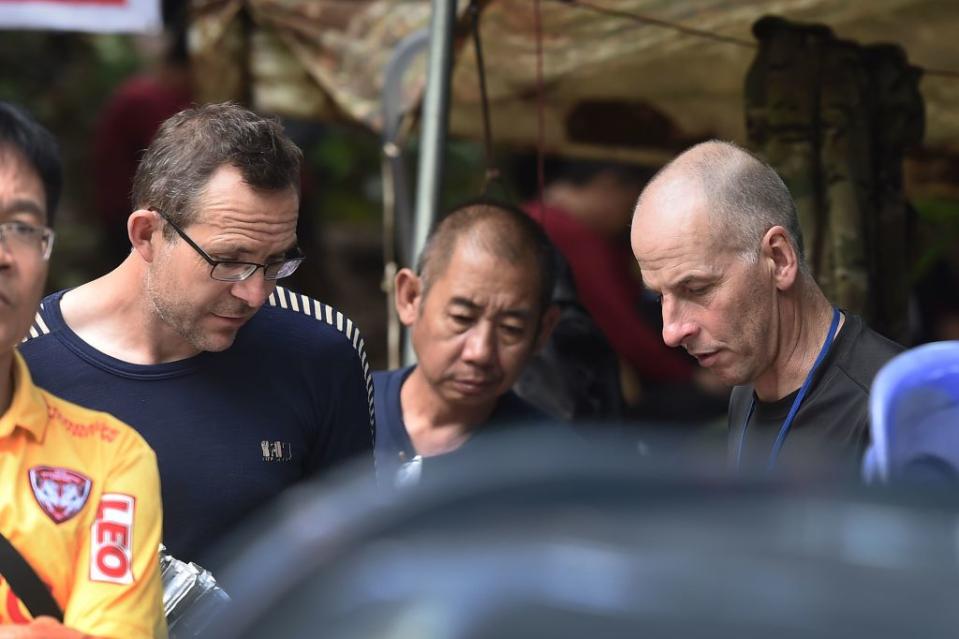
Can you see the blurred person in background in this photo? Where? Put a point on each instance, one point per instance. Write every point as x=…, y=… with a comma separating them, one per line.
x=242, y=387
x=79, y=490
x=586, y=212
x=477, y=308
x=130, y=118
x=717, y=237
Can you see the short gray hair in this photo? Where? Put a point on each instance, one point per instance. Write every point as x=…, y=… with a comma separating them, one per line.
x=745, y=196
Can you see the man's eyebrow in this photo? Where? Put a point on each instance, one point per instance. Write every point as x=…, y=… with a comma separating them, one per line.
x=24, y=206
x=462, y=301
x=517, y=313
x=294, y=247
x=232, y=248
x=225, y=248
x=689, y=279
x=692, y=278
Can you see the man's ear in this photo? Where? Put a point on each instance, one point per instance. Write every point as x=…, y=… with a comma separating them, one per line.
x=409, y=295
x=546, y=325
x=142, y=227
x=785, y=262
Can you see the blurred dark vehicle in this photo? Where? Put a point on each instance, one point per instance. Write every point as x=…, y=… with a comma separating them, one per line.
x=539, y=539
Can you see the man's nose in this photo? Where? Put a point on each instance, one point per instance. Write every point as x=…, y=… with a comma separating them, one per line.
x=480, y=347
x=6, y=251
x=677, y=326
x=254, y=290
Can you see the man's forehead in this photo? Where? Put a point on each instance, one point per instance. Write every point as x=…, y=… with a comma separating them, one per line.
x=476, y=253
x=24, y=188
x=475, y=271
x=687, y=264
x=682, y=276
x=670, y=254
x=13, y=159
x=659, y=231
x=235, y=203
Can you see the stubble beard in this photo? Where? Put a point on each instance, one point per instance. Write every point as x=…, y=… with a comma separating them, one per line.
x=179, y=315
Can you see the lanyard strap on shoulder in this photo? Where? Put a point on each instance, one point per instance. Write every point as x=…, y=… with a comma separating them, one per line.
x=25, y=582
x=784, y=430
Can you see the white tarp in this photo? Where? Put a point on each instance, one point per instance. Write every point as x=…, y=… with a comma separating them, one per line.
x=326, y=59
x=97, y=16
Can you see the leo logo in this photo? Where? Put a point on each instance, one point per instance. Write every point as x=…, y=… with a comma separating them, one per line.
x=111, y=539
x=60, y=492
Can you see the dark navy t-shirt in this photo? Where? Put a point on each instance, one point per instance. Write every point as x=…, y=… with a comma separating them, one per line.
x=393, y=445
x=291, y=397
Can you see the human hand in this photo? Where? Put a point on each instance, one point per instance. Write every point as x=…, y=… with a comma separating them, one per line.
x=41, y=628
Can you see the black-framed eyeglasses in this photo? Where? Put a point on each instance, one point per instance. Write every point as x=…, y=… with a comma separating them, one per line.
x=234, y=271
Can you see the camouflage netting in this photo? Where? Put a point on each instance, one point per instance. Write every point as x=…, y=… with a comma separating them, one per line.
x=832, y=110
x=835, y=119
x=642, y=90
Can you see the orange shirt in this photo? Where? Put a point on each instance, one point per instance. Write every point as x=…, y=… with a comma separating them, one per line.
x=80, y=500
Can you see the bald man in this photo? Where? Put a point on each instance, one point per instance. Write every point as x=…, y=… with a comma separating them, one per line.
x=717, y=237
x=477, y=308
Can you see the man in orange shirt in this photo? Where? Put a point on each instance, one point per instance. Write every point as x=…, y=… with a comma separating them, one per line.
x=79, y=490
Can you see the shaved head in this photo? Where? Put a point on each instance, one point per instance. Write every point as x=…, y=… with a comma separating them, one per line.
x=742, y=196
x=496, y=228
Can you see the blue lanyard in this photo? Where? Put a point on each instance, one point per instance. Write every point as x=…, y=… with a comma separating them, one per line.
x=784, y=430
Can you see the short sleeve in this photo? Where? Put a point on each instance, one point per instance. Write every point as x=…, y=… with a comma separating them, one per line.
x=117, y=590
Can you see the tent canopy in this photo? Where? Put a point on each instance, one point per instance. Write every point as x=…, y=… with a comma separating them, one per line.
x=619, y=80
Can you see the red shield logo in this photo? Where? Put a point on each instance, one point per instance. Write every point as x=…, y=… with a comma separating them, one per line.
x=60, y=492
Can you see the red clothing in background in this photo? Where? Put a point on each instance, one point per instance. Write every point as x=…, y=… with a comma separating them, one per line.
x=124, y=130
x=601, y=269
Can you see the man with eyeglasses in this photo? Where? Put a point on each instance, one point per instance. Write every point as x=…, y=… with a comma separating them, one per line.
x=242, y=387
x=80, y=512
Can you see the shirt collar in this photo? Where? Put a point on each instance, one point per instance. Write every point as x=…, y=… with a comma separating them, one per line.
x=28, y=408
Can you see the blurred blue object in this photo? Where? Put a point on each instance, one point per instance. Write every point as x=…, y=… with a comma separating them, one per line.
x=914, y=417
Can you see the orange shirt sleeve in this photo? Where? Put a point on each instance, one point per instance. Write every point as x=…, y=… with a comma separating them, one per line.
x=117, y=590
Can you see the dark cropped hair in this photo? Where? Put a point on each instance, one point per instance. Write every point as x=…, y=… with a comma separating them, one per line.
x=194, y=143
x=500, y=228
x=19, y=131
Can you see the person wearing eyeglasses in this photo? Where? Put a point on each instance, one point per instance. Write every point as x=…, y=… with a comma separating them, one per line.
x=241, y=386
x=80, y=511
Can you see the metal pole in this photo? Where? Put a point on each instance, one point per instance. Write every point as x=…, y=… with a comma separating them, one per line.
x=429, y=181
x=397, y=208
